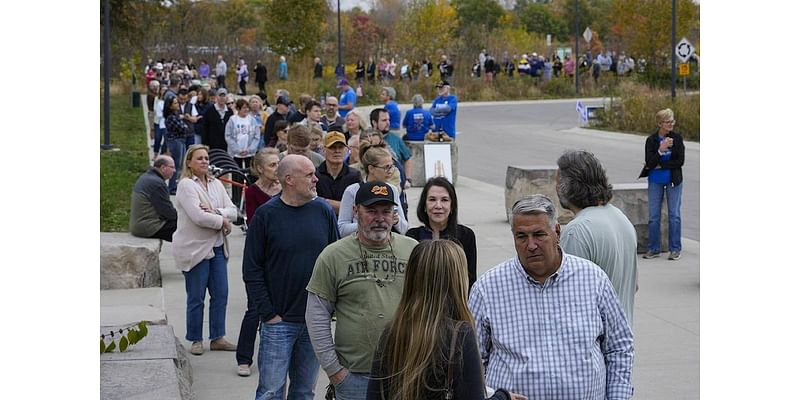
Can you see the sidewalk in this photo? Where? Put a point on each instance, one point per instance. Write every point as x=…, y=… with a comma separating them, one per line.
x=666, y=317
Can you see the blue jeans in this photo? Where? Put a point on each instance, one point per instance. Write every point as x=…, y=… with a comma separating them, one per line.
x=158, y=140
x=286, y=348
x=209, y=274
x=177, y=148
x=655, y=199
x=247, y=334
x=354, y=386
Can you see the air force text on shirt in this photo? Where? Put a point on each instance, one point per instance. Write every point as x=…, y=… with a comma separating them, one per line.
x=385, y=263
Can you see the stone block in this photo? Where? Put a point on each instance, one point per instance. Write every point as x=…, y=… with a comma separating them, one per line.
x=631, y=199
x=533, y=179
x=130, y=306
x=155, y=368
x=417, y=174
x=128, y=262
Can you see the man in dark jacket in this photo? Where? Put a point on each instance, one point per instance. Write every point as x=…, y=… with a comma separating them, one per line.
x=152, y=213
x=261, y=76
x=214, y=119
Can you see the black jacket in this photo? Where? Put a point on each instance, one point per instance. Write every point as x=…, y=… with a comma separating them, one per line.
x=675, y=162
x=261, y=73
x=214, y=128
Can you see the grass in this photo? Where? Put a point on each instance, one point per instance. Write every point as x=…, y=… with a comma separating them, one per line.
x=120, y=169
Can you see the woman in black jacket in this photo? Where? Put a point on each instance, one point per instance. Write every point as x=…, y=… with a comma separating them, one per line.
x=664, y=154
x=438, y=212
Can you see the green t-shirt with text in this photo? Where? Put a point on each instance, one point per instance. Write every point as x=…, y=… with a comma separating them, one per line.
x=365, y=285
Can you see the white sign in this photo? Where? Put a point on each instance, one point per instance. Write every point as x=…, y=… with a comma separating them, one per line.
x=438, y=162
x=582, y=112
x=684, y=50
x=587, y=35
x=548, y=40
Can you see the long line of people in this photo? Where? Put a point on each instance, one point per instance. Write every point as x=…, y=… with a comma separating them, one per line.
x=413, y=319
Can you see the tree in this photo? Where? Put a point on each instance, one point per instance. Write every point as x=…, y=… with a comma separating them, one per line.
x=540, y=18
x=471, y=13
x=429, y=28
x=361, y=42
x=644, y=26
x=294, y=27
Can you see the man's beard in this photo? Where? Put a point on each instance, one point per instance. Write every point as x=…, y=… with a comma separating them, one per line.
x=377, y=235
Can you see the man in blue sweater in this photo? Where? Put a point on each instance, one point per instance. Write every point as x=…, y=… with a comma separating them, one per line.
x=283, y=242
x=444, y=110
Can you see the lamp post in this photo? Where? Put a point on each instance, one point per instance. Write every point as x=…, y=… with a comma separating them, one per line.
x=106, y=77
x=674, y=77
x=575, y=56
x=339, y=27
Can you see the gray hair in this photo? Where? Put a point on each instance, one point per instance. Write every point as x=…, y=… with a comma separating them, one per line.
x=582, y=180
x=390, y=91
x=536, y=204
x=417, y=100
x=287, y=166
x=162, y=160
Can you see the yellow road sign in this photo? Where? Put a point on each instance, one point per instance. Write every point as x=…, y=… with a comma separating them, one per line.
x=683, y=69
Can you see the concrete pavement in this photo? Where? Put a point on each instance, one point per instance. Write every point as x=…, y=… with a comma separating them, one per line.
x=666, y=316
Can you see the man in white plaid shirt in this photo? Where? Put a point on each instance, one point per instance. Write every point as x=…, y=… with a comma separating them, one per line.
x=549, y=324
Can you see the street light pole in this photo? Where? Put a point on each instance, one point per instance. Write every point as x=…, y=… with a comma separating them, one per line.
x=674, y=77
x=575, y=56
x=106, y=77
x=339, y=34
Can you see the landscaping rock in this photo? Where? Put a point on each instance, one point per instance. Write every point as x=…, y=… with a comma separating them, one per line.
x=128, y=262
x=631, y=199
x=522, y=181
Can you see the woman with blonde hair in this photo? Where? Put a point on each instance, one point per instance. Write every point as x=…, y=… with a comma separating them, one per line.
x=355, y=125
x=663, y=162
x=429, y=350
x=200, y=247
x=376, y=166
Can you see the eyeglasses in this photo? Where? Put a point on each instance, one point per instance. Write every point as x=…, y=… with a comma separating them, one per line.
x=387, y=168
x=672, y=121
x=332, y=105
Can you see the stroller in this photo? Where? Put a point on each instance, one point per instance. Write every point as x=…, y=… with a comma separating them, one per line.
x=222, y=164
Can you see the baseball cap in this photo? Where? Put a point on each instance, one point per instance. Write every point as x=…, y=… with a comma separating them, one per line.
x=334, y=137
x=442, y=83
x=222, y=92
x=372, y=192
x=342, y=83
x=282, y=100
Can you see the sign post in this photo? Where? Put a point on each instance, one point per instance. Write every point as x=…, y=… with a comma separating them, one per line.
x=684, y=51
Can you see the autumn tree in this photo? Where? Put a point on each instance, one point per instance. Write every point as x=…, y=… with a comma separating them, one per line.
x=644, y=26
x=294, y=27
x=540, y=18
x=429, y=27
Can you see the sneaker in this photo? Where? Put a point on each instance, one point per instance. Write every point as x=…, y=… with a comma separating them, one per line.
x=222, y=344
x=651, y=254
x=674, y=255
x=244, y=370
x=197, y=348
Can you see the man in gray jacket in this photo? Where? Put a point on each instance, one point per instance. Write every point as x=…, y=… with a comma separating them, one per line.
x=152, y=213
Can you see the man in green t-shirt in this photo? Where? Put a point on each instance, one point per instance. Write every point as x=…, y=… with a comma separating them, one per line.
x=360, y=277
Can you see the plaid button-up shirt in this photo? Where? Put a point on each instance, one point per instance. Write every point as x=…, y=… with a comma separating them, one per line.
x=565, y=339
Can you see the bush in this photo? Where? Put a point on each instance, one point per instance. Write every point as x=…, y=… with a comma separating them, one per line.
x=635, y=110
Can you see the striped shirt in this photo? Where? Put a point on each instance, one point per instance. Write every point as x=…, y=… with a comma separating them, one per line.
x=565, y=339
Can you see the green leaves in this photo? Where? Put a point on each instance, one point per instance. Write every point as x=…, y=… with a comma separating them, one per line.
x=135, y=334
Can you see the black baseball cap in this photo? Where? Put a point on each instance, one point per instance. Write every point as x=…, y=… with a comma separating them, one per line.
x=372, y=192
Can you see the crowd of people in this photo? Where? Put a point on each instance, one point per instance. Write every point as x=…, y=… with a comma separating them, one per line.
x=328, y=238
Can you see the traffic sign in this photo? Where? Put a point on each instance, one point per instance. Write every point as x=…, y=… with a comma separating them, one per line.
x=684, y=50
x=683, y=69
x=587, y=35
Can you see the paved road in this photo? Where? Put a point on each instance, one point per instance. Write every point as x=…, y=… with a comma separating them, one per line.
x=493, y=136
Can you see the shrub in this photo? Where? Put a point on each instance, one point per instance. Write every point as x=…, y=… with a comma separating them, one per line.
x=635, y=110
